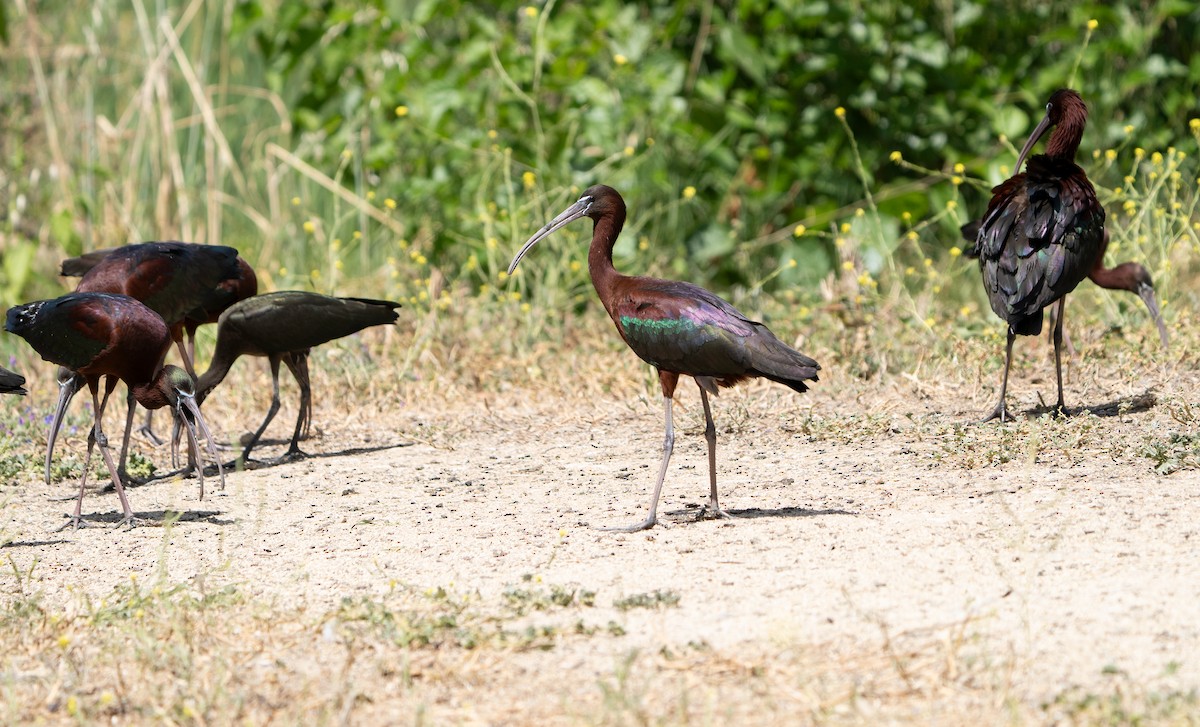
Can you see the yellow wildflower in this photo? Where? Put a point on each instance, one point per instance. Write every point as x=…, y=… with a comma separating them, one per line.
x=689, y=192
x=401, y=111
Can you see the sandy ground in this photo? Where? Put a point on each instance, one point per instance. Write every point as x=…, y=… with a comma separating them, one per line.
x=864, y=516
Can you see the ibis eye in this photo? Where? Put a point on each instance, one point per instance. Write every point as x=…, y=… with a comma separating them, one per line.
x=1048, y=107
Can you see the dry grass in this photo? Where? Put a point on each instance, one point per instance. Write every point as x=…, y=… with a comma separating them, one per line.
x=203, y=652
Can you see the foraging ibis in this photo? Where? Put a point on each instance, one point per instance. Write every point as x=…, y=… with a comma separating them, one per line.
x=283, y=327
x=98, y=336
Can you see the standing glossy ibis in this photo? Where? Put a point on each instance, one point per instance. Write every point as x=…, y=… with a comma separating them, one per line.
x=11, y=382
x=1042, y=233
x=99, y=335
x=680, y=329
x=283, y=327
x=185, y=283
x=1129, y=276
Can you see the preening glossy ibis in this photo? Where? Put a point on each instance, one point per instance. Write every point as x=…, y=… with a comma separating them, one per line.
x=283, y=327
x=680, y=329
x=1129, y=276
x=1042, y=233
x=185, y=283
x=99, y=335
x=11, y=382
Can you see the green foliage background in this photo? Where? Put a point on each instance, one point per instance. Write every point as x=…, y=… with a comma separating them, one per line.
x=406, y=148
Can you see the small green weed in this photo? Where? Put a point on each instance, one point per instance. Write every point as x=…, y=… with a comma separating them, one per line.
x=1179, y=451
x=654, y=599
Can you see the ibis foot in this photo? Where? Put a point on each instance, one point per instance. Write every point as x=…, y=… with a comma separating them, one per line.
x=148, y=434
x=131, y=522
x=1000, y=412
x=73, y=522
x=712, y=512
x=292, y=455
x=635, y=528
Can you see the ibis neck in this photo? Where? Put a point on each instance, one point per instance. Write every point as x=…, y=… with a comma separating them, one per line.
x=1064, y=142
x=222, y=361
x=600, y=264
x=153, y=394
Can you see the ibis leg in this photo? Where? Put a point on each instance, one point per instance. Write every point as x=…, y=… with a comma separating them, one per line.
x=122, y=470
x=270, y=412
x=1055, y=314
x=1059, y=408
x=102, y=442
x=1001, y=412
x=710, y=436
x=298, y=364
x=76, y=521
x=187, y=359
x=668, y=447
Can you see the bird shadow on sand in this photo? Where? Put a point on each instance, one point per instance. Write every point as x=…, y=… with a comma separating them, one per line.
x=156, y=518
x=1117, y=407
x=691, y=513
x=33, y=543
x=255, y=464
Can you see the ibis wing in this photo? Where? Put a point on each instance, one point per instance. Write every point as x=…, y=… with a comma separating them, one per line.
x=294, y=320
x=1038, y=240
x=683, y=328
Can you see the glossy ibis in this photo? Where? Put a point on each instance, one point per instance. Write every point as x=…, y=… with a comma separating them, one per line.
x=283, y=326
x=11, y=382
x=103, y=336
x=678, y=328
x=185, y=283
x=1042, y=234
x=1129, y=276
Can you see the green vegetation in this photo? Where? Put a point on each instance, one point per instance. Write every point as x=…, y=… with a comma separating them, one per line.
x=405, y=149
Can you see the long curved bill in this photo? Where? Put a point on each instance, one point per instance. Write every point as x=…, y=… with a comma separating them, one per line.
x=1033, y=139
x=188, y=402
x=69, y=384
x=566, y=217
x=1146, y=293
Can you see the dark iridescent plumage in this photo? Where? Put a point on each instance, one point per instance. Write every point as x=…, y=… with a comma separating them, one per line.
x=283, y=327
x=679, y=328
x=100, y=335
x=1042, y=232
x=185, y=283
x=1129, y=276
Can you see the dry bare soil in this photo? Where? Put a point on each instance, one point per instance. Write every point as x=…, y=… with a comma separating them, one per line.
x=438, y=560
